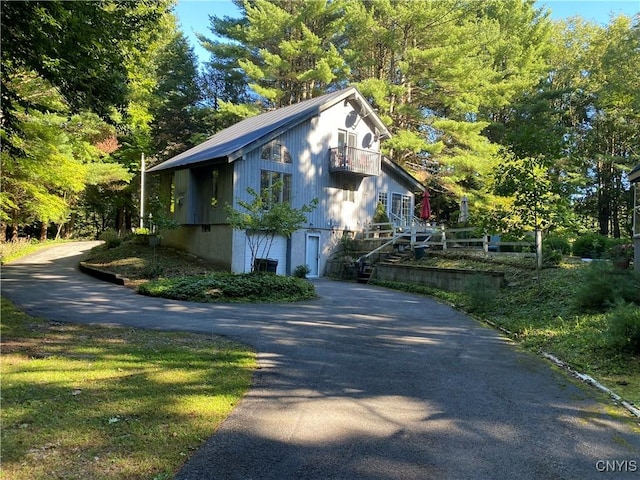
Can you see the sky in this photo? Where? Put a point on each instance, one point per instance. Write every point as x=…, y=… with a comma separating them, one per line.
x=194, y=14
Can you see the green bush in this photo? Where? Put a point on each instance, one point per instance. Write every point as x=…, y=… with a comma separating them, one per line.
x=301, y=271
x=602, y=287
x=228, y=287
x=110, y=239
x=624, y=328
x=550, y=256
x=557, y=243
x=590, y=245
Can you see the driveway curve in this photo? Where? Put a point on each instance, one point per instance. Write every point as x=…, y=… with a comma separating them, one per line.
x=363, y=383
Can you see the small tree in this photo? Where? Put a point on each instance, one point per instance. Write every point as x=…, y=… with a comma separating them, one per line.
x=263, y=218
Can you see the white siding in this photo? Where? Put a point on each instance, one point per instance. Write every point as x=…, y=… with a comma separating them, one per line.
x=277, y=251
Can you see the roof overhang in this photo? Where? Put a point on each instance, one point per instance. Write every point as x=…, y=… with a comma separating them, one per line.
x=405, y=176
x=239, y=139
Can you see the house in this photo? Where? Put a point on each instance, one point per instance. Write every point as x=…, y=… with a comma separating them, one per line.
x=326, y=148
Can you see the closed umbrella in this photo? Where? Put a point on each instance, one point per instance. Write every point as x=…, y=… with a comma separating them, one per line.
x=464, y=210
x=425, y=211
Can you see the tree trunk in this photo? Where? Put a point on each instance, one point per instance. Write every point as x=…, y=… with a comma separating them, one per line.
x=3, y=232
x=43, y=231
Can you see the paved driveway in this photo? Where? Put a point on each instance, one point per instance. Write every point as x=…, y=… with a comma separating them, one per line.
x=363, y=383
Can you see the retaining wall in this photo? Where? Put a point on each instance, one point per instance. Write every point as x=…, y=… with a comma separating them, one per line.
x=455, y=280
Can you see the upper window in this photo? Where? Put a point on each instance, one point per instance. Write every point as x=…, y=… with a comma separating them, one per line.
x=347, y=139
x=279, y=185
x=276, y=152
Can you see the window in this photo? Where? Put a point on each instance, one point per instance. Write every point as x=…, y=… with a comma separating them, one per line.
x=172, y=194
x=278, y=183
x=347, y=139
x=215, y=177
x=382, y=198
x=276, y=152
x=401, y=208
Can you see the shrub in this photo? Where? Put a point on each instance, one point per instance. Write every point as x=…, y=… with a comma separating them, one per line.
x=553, y=248
x=590, y=245
x=550, y=256
x=301, y=271
x=620, y=249
x=227, y=287
x=602, y=287
x=557, y=243
x=110, y=239
x=624, y=328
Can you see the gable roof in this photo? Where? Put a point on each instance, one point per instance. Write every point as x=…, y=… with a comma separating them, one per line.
x=232, y=142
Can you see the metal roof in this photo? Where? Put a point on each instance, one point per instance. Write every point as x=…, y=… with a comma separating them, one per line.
x=242, y=137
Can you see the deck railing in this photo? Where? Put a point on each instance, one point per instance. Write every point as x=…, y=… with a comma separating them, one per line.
x=355, y=161
x=450, y=239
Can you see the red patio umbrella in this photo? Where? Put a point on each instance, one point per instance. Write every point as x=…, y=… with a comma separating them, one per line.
x=425, y=211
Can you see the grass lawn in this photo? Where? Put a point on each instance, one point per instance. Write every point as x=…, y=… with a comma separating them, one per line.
x=83, y=402
x=543, y=315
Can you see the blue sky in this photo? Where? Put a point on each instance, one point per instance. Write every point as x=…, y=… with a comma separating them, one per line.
x=194, y=14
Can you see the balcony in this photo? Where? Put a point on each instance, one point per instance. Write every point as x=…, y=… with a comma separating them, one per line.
x=353, y=161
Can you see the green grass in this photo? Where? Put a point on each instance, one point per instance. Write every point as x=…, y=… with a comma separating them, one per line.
x=10, y=251
x=110, y=403
x=545, y=315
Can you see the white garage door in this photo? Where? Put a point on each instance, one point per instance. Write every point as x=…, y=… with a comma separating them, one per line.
x=278, y=251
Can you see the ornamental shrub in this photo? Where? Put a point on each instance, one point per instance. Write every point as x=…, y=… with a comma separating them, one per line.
x=110, y=239
x=590, y=245
x=601, y=287
x=624, y=328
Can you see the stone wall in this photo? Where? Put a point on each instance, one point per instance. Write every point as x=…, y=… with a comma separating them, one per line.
x=455, y=280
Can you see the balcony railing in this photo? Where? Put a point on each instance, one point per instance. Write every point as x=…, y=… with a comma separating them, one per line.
x=354, y=161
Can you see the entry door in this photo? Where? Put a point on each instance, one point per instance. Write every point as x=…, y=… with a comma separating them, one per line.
x=313, y=255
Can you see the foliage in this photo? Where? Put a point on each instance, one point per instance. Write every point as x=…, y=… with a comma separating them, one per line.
x=287, y=51
x=535, y=204
x=185, y=385
x=624, y=328
x=590, y=245
x=557, y=243
x=20, y=247
x=227, y=287
x=480, y=295
x=75, y=46
x=301, y=271
x=602, y=286
x=110, y=238
x=620, y=250
x=380, y=215
x=263, y=218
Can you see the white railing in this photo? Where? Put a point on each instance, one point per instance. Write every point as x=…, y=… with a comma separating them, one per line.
x=448, y=239
x=354, y=160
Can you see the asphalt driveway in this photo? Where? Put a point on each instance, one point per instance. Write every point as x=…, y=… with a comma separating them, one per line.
x=363, y=383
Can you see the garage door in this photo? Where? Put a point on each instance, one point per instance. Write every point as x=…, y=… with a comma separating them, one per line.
x=278, y=251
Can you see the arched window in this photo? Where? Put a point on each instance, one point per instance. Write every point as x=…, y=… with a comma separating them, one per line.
x=276, y=152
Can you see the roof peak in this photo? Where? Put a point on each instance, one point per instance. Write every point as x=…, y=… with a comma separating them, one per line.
x=232, y=142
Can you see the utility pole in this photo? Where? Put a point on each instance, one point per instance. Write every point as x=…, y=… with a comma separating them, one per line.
x=142, y=168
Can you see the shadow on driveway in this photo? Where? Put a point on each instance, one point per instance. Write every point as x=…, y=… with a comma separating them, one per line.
x=363, y=383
